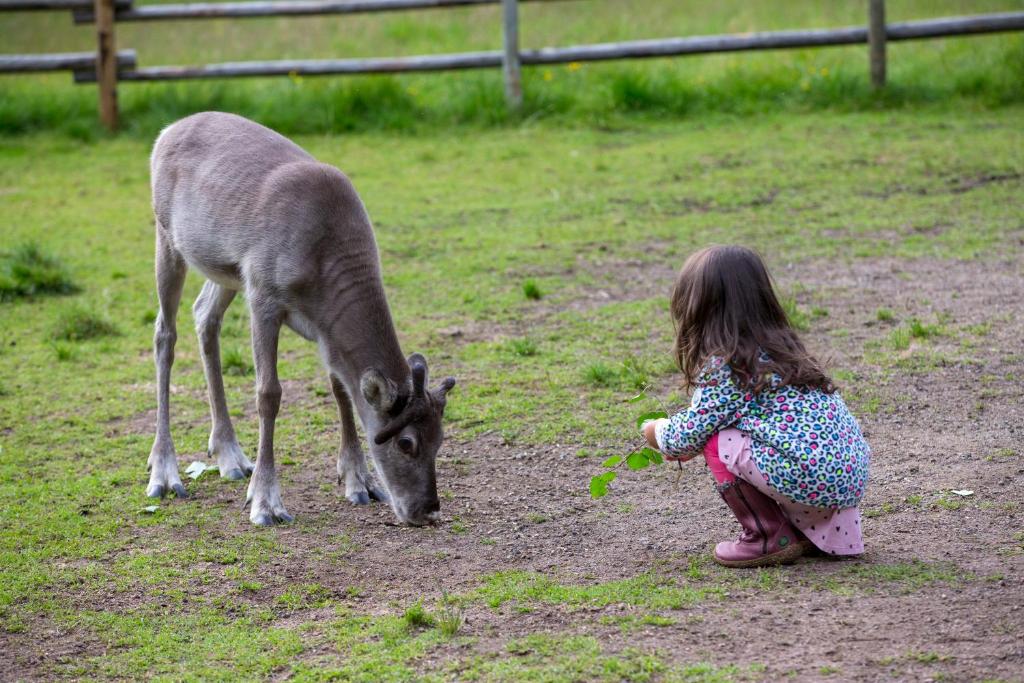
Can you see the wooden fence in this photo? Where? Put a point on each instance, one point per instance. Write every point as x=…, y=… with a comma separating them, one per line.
x=106, y=66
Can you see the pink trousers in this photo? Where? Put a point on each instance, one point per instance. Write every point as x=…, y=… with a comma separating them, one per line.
x=837, y=532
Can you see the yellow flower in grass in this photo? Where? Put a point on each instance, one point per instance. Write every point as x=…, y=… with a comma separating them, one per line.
x=574, y=66
x=548, y=75
x=824, y=72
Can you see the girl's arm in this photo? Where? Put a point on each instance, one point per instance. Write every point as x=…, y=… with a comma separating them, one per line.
x=714, y=406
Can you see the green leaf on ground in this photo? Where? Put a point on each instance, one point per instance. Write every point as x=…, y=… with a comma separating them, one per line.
x=199, y=468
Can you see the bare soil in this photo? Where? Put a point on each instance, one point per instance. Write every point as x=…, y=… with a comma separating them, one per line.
x=957, y=423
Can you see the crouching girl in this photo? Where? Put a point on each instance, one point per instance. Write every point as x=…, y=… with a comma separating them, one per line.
x=788, y=458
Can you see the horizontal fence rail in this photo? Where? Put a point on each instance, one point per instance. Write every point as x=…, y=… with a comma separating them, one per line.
x=44, y=5
x=308, y=67
x=668, y=47
x=107, y=66
x=60, y=61
x=282, y=8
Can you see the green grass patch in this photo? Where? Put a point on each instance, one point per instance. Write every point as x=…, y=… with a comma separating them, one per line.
x=449, y=617
x=646, y=590
x=899, y=339
x=909, y=576
x=26, y=270
x=199, y=646
x=236, y=361
x=920, y=330
x=81, y=323
x=631, y=622
x=531, y=290
x=798, y=317
x=416, y=616
x=566, y=658
x=523, y=347
x=304, y=596
x=631, y=374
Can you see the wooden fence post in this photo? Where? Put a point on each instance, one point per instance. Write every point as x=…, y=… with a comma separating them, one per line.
x=876, y=41
x=510, y=58
x=106, y=62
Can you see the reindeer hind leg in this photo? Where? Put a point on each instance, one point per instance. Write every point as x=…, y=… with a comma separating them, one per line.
x=208, y=312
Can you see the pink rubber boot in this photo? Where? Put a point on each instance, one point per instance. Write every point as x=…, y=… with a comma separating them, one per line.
x=767, y=539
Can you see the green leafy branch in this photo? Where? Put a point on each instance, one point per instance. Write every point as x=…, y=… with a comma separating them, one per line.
x=639, y=458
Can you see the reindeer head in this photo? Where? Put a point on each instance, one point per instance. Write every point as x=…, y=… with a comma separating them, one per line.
x=409, y=432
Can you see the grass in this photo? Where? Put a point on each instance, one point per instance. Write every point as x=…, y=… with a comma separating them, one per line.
x=235, y=361
x=899, y=339
x=450, y=617
x=920, y=330
x=601, y=375
x=647, y=590
x=523, y=347
x=910, y=576
x=304, y=596
x=531, y=290
x=79, y=322
x=798, y=317
x=417, y=617
x=966, y=72
x=631, y=374
x=26, y=270
x=567, y=657
x=461, y=217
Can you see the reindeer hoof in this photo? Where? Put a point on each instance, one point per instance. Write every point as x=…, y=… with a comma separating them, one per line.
x=234, y=474
x=359, y=498
x=268, y=519
x=179, y=490
x=156, y=491
x=377, y=494
x=263, y=520
x=283, y=517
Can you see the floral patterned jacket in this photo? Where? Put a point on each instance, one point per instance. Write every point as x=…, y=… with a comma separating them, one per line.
x=805, y=442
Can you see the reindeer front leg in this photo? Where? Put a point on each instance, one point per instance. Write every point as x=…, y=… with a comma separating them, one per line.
x=264, y=492
x=360, y=486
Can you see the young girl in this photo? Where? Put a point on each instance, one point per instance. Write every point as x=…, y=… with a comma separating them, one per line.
x=788, y=457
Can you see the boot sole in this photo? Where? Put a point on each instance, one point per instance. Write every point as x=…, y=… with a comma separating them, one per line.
x=785, y=556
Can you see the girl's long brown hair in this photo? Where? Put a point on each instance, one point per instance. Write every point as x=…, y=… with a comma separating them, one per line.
x=724, y=305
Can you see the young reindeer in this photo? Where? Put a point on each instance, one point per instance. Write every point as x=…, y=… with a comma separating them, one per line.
x=252, y=211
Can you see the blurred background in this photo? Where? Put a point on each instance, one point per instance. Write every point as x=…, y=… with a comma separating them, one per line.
x=985, y=70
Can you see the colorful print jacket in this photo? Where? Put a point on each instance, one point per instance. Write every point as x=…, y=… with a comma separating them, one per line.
x=805, y=442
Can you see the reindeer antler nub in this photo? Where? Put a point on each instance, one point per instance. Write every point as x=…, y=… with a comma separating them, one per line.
x=418, y=365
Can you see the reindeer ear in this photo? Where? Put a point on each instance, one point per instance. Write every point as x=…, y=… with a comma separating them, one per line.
x=418, y=366
x=446, y=385
x=379, y=391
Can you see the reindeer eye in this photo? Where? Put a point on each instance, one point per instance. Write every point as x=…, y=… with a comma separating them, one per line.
x=406, y=445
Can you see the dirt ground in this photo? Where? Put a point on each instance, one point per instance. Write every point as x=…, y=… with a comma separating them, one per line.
x=957, y=423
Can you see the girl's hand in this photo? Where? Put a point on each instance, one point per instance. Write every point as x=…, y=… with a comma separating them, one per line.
x=648, y=430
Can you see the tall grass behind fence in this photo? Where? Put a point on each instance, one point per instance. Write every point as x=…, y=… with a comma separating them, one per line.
x=982, y=72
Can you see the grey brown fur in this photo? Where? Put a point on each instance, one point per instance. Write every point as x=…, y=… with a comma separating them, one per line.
x=253, y=212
